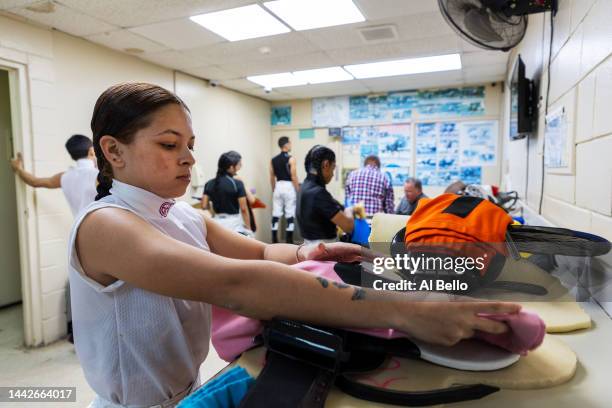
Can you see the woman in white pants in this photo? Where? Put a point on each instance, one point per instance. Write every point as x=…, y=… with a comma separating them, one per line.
x=228, y=195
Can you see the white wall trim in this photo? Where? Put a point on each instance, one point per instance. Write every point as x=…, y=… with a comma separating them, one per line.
x=28, y=234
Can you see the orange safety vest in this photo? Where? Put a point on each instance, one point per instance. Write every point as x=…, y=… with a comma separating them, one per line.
x=458, y=225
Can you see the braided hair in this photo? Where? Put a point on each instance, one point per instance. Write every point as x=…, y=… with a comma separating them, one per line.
x=315, y=158
x=120, y=112
x=226, y=160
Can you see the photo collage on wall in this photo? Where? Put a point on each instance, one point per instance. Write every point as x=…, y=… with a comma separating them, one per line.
x=445, y=151
x=450, y=151
x=391, y=143
x=404, y=106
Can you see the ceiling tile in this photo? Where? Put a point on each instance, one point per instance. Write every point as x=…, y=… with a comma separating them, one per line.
x=178, y=34
x=412, y=27
x=280, y=64
x=173, y=59
x=240, y=84
x=353, y=87
x=249, y=50
x=161, y=28
x=132, y=13
x=379, y=9
x=66, y=20
x=122, y=39
x=428, y=80
x=336, y=37
x=212, y=72
x=384, y=52
x=483, y=58
x=433, y=24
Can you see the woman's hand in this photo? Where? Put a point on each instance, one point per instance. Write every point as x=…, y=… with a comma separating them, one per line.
x=337, y=251
x=448, y=322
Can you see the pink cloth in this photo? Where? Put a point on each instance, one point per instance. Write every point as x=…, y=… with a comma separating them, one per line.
x=525, y=332
x=232, y=334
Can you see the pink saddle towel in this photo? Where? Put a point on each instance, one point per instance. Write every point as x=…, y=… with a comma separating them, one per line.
x=232, y=334
x=525, y=332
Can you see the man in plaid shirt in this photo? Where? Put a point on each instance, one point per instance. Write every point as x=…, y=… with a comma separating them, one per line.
x=370, y=186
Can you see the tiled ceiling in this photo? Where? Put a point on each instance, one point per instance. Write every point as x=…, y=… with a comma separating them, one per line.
x=162, y=33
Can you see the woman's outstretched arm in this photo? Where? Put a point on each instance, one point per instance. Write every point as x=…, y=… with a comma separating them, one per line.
x=116, y=244
x=231, y=245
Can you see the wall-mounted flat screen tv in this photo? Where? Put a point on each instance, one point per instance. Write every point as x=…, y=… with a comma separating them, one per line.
x=522, y=102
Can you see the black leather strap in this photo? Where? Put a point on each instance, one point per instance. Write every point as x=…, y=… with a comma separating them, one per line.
x=286, y=382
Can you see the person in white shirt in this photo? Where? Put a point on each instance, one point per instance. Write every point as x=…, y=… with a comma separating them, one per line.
x=78, y=183
x=145, y=268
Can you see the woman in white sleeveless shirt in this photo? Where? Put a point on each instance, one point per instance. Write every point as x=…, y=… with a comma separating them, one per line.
x=145, y=268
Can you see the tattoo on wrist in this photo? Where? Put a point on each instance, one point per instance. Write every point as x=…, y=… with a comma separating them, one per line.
x=324, y=282
x=358, y=294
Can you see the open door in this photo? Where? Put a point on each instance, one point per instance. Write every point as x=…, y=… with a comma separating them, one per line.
x=10, y=271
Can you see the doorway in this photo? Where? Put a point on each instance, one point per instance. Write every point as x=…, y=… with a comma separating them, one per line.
x=10, y=271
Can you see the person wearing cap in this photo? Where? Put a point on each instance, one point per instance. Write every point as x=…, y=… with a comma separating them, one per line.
x=283, y=178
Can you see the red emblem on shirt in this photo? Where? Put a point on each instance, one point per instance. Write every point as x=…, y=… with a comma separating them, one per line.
x=165, y=208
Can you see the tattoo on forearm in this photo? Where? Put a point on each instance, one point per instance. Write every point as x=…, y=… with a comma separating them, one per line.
x=358, y=294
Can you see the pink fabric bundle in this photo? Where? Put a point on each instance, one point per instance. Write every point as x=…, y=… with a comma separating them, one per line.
x=232, y=334
x=525, y=332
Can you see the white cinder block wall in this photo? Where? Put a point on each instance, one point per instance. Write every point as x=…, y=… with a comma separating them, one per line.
x=65, y=75
x=581, y=80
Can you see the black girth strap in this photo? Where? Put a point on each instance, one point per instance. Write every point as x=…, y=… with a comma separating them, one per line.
x=286, y=382
x=304, y=361
x=301, y=365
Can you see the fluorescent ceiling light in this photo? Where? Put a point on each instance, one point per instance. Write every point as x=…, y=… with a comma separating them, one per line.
x=406, y=66
x=322, y=75
x=308, y=14
x=277, y=80
x=241, y=23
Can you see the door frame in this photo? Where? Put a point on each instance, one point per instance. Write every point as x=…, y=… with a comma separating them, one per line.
x=26, y=205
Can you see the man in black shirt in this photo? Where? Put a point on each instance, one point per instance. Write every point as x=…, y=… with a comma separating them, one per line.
x=283, y=178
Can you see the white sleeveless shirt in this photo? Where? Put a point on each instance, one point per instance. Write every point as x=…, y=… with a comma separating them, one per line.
x=79, y=184
x=136, y=347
